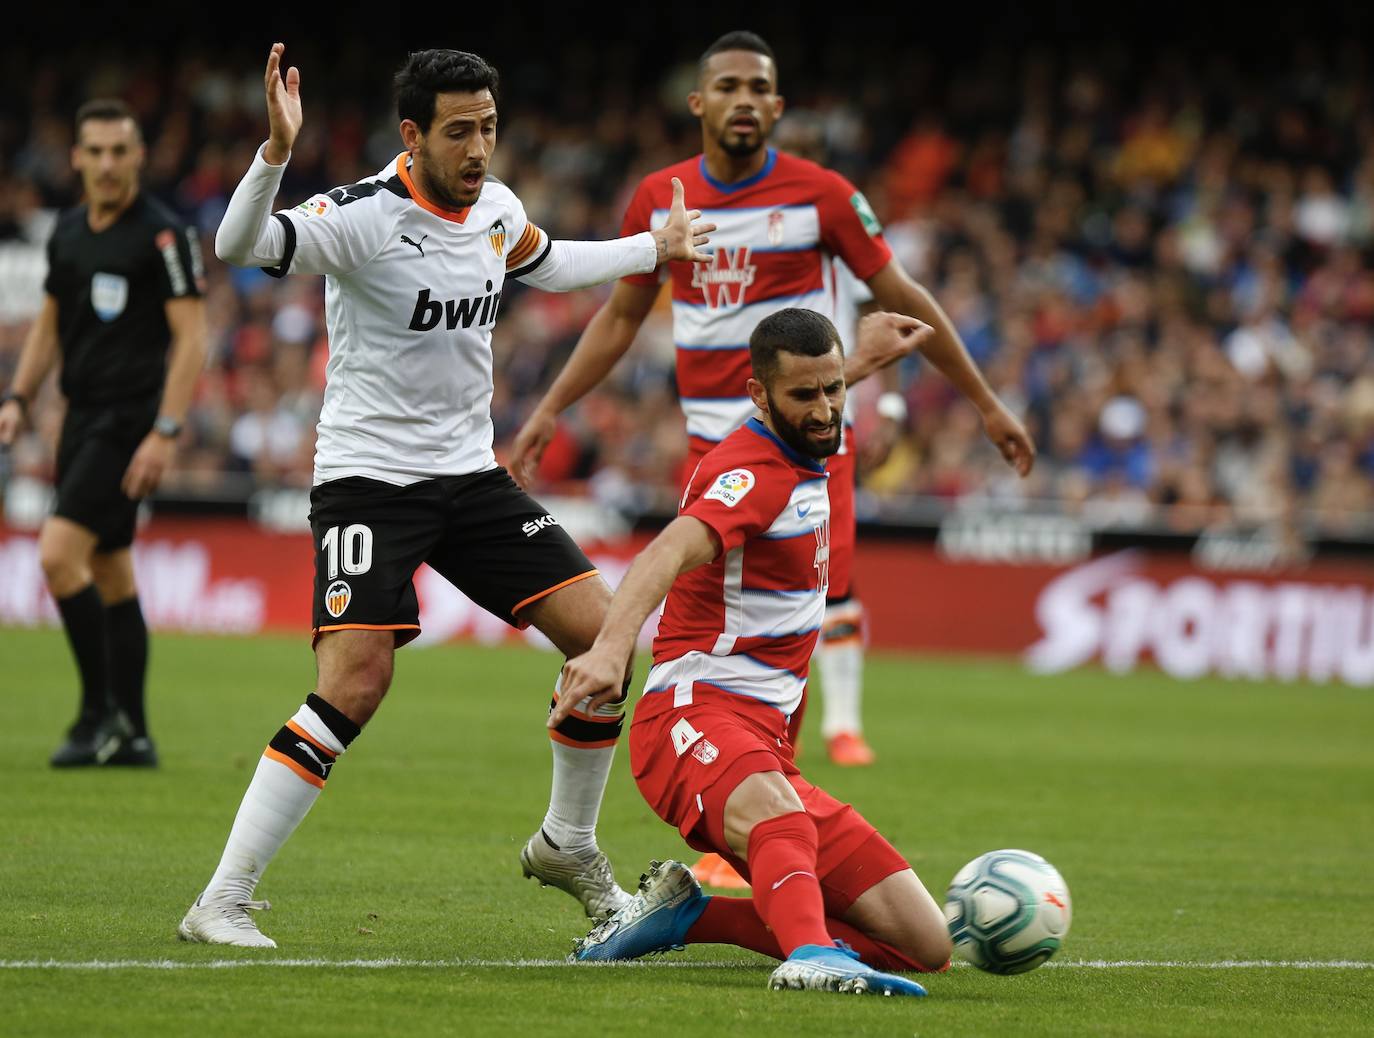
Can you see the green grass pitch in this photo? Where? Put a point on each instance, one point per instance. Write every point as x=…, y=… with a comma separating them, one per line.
x=1208, y=823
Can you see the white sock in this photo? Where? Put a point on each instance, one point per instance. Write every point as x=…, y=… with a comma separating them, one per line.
x=840, y=657
x=579, y=782
x=278, y=798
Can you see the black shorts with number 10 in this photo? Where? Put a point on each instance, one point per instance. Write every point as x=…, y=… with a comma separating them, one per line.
x=480, y=532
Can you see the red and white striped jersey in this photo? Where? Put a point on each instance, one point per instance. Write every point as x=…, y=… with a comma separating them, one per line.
x=747, y=622
x=776, y=237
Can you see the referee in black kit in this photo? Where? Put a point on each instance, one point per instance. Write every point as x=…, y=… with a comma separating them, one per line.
x=124, y=285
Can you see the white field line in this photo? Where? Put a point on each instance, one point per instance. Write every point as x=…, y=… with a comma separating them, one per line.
x=445, y=964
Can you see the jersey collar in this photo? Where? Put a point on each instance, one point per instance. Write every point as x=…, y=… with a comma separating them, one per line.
x=755, y=425
x=740, y=185
x=403, y=171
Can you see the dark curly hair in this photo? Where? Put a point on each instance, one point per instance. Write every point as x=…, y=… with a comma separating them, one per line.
x=428, y=73
x=794, y=330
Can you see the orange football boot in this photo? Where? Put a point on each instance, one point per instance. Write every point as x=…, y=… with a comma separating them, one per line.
x=849, y=750
x=714, y=871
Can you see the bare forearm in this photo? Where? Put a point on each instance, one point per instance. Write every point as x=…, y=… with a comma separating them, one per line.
x=639, y=594
x=947, y=352
x=945, y=349
x=36, y=359
x=188, y=361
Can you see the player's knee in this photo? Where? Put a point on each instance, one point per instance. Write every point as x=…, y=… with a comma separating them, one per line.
x=926, y=942
x=934, y=952
x=64, y=574
x=759, y=797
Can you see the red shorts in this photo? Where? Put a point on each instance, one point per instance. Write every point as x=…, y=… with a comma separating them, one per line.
x=842, y=522
x=687, y=760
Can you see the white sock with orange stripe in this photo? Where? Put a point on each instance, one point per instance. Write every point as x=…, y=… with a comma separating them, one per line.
x=840, y=658
x=286, y=784
x=583, y=750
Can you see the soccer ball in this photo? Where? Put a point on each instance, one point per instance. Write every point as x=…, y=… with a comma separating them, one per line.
x=1008, y=911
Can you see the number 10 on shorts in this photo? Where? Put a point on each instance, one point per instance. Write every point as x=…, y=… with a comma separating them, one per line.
x=351, y=550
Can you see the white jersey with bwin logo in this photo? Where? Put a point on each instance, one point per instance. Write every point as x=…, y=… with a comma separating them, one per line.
x=411, y=294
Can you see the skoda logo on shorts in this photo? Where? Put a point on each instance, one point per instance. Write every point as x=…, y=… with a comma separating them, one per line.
x=336, y=599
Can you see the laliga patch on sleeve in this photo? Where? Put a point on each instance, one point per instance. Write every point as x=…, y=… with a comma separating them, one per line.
x=866, y=215
x=730, y=487
x=320, y=205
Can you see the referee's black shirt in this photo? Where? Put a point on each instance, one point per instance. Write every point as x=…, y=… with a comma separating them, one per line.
x=111, y=287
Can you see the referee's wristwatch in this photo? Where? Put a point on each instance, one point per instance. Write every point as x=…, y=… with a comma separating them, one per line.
x=167, y=426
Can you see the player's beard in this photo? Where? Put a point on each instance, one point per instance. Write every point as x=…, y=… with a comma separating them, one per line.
x=796, y=436
x=741, y=146
x=438, y=192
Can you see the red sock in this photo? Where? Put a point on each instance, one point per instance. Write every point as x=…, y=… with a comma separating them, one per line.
x=735, y=920
x=782, y=871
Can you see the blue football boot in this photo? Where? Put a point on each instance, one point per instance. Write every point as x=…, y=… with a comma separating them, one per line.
x=656, y=919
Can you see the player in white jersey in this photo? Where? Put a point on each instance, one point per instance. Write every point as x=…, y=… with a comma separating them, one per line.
x=415, y=259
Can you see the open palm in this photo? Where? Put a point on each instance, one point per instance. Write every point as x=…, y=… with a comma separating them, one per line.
x=283, y=106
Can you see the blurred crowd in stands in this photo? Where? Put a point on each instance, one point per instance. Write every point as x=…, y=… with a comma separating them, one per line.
x=1164, y=260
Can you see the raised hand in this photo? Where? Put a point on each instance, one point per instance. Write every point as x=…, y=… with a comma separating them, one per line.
x=679, y=237
x=283, y=107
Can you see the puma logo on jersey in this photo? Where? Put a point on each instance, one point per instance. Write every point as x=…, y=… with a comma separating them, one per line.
x=535, y=525
x=477, y=310
x=419, y=245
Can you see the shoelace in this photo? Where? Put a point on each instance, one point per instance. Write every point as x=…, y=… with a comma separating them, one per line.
x=597, y=878
x=248, y=906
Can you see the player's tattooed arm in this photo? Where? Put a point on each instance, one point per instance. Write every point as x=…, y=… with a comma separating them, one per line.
x=685, y=544
x=283, y=107
x=680, y=237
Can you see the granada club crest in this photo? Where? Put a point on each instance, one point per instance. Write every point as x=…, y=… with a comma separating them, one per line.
x=496, y=238
x=775, y=229
x=705, y=751
x=336, y=599
x=725, y=279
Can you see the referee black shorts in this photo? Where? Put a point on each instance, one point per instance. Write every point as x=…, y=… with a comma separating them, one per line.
x=481, y=532
x=93, y=454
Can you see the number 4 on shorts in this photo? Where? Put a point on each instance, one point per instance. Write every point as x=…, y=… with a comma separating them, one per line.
x=684, y=735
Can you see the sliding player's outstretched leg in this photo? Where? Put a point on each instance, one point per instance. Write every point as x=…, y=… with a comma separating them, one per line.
x=563, y=852
x=355, y=671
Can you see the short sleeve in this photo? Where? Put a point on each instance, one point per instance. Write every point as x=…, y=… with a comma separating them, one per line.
x=738, y=501
x=638, y=218
x=181, y=269
x=332, y=233
x=526, y=244
x=850, y=230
